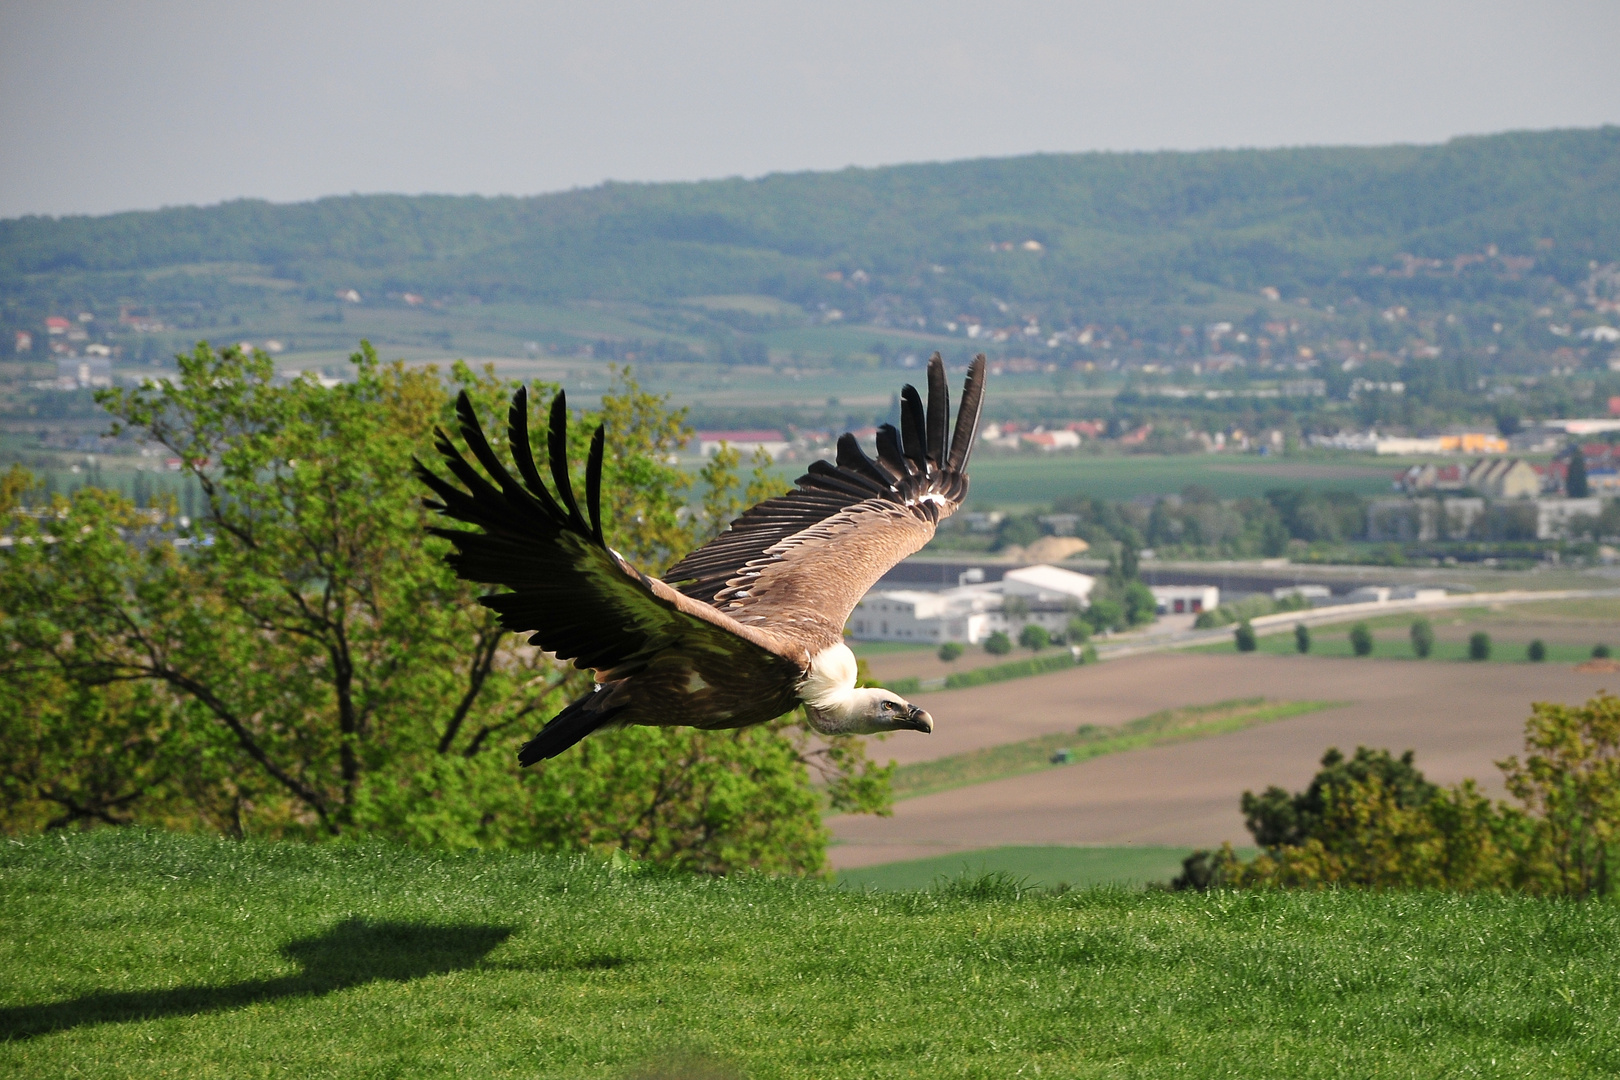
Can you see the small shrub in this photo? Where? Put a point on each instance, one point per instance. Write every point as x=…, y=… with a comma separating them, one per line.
x=1537, y=651
x=998, y=644
x=1422, y=638
x=1361, y=639
x=1088, y=655
x=1479, y=645
x=1034, y=637
x=951, y=650
x=1302, y=638
x=1244, y=637
x=1078, y=632
x=1600, y=652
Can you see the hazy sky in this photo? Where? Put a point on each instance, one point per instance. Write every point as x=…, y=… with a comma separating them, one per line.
x=111, y=106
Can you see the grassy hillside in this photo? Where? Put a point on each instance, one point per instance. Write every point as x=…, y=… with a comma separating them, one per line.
x=131, y=954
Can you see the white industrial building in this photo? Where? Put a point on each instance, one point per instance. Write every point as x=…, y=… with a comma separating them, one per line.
x=1046, y=596
x=1186, y=599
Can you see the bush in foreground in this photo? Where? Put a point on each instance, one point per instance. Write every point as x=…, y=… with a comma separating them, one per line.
x=1244, y=638
x=1374, y=820
x=1537, y=651
x=998, y=644
x=1361, y=640
x=950, y=651
x=1302, y=638
x=1479, y=645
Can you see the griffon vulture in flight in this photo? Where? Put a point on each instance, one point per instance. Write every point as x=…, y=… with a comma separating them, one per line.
x=739, y=631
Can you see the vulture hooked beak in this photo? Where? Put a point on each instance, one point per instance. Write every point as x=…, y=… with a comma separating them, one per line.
x=920, y=720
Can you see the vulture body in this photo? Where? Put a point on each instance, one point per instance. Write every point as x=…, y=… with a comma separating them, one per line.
x=741, y=630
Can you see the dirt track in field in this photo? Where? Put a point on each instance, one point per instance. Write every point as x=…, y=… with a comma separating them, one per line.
x=1460, y=718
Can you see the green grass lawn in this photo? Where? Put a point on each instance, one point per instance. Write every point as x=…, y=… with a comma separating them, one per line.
x=1035, y=755
x=1037, y=867
x=129, y=954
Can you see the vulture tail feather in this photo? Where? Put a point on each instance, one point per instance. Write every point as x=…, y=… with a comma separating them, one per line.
x=939, y=411
x=914, y=428
x=557, y=445
x=575, y=722
x=967, y=416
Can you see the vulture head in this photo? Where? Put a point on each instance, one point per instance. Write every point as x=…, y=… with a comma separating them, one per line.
x=836, y=706
x=868, y=711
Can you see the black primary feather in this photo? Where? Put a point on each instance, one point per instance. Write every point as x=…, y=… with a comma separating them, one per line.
x=926, y=464
x=914, y=428
x=939, y=411
x=557, y=447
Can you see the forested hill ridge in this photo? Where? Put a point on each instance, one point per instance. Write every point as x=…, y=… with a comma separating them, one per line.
x=1069, y=237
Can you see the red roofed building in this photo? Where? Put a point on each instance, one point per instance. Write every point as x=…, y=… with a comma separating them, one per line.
x=745, y=443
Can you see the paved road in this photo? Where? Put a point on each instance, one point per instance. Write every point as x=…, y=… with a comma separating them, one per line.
x=1459, y=717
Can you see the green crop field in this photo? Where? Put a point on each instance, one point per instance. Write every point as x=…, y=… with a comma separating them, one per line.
x=1011, y=481
x=1048, y=867
x=131, y=954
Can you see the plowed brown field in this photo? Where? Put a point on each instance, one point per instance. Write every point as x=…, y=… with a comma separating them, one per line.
x=1459, y=717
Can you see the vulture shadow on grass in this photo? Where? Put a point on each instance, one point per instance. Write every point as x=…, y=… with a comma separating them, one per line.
x=352, y=953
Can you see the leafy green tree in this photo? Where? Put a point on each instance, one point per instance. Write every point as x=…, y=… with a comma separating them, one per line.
x=1600, y=651
x=1570, y=779
x=1277, y=819
x=1244, y=637
x=1302, y=638
x=315, y=643
x=1106, y=614
x=1422, y=635
x=1576, y=485
x=1479, y=645
x=1361, y=640
x=1034, y=637
x=1140, y=605
x=950, y=651
x=1078, y=632
x=1537, y=652
x=998, y=644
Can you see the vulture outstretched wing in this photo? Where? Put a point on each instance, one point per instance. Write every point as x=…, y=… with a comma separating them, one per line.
x=799, y=563
x=575, y=596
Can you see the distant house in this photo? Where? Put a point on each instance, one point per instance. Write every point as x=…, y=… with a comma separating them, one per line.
x=25, y=341
x=55, y=325
x=1504, y=478
x=1059, y=524
x=73, y=372
x=745, y=443
x=1554, y=517
x=1053, y=440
